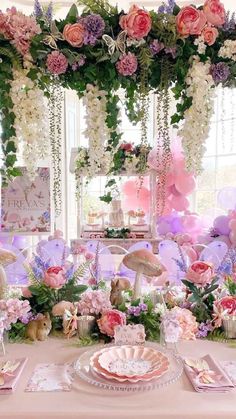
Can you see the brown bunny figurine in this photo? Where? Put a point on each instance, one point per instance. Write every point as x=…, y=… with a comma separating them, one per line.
x=39, y=329
x=117, y=286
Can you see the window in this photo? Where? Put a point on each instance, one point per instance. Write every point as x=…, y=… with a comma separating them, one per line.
x=219, y=161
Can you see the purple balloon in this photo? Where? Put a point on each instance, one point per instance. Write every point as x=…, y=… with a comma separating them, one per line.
x=177, y=226
x=163, y=227
x=221, y=223
x=226, y=198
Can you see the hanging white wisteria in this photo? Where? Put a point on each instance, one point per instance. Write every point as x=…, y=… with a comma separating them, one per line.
x=197, y=118
x=31, y=121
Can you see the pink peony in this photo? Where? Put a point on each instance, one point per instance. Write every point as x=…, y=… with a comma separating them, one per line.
x=54, y=277
x=109, y=320
x=20, y=29
x=127, y=64
x=228, y=303
x=209, y=35
x=190, y=21
x=74, y=34
x=214, y=12
x=200, y=273
x=56, y=62
x=94, y=302
x=137, y=23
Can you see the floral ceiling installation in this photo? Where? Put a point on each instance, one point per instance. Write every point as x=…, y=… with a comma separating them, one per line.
x=188, y=50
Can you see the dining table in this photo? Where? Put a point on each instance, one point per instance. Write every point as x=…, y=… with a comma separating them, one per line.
x=177, y=400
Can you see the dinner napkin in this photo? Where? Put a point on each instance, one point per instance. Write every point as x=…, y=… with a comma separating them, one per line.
x=206, y=375
x=51, y=377
x=10, y=372
x=230, y=368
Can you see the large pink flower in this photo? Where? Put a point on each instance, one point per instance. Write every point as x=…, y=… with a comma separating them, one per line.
x=214, y=12
x=190, y=21
x=109, y=320
x=137, y=23
x=54, y=277
x=127, y=64
x=56, y=62
x=74, y=34
x=200, y=273
x=228, y=303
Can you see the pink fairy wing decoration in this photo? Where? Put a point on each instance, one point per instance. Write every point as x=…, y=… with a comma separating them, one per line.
x=54, y=252
x=169, y=254
x=214, y=253
x=106, y=258
x=16, y=273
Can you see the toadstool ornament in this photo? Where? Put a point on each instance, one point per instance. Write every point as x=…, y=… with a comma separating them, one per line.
x=6, y=258
x=143, y=262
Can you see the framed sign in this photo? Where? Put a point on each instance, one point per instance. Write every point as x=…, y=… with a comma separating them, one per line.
x=25, y=204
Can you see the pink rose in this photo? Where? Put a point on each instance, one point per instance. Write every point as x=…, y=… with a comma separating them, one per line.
x=126, y=146
x=137, y=23
x=109, y=320
x=200, y=273
x=74, y=34
x=54, y=277
x=228, y=303
x=209, y=35
x=214, y=12
x=190, y=21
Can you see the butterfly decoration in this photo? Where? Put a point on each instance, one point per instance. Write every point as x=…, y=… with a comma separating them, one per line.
x=7, y=369
x=117, y=44
x=55, y=35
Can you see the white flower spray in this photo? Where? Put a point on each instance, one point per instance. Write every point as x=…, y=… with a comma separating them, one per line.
x=31, y=122
x=197, y=118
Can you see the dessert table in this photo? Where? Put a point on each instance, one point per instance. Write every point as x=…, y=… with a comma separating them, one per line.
x=85, y=401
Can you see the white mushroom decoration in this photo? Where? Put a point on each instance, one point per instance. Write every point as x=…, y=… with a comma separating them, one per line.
x=143, y=262
x=6, y=258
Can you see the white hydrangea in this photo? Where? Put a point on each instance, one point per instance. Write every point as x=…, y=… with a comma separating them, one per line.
x=228, y=50
x=31, y=120
x=197, y=118
x=199, y=42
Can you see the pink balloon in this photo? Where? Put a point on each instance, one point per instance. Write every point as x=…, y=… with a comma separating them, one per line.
x=163, y=227
x=185, y=183
x=170, y=179
x=232, y=237
x=172, y=190
x=140, y=200
x=129, y=187
x=232, y=224
x=179, y=203
x=221, y=223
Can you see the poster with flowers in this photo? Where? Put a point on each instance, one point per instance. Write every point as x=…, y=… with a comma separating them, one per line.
x=25, y=204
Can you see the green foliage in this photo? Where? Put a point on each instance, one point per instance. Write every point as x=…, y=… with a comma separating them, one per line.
x=17, y=333
x=44, y=298
x=149, y=319
x=101, y=7
x=230, y=284
x=117, y=233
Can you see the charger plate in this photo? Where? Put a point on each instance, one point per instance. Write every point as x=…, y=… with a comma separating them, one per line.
x=85, y=372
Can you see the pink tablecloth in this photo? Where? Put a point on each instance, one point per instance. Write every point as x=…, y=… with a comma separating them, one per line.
x=177, y=401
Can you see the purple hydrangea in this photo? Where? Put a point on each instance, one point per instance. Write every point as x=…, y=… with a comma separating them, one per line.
x=79, y=63
x=204, y=329
x=94, y=26
x=137, y=310
x=156, y=46
x=167, y=7
x=220, y=72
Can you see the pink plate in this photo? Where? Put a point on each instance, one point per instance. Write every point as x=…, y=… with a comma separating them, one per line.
x=162, y=368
